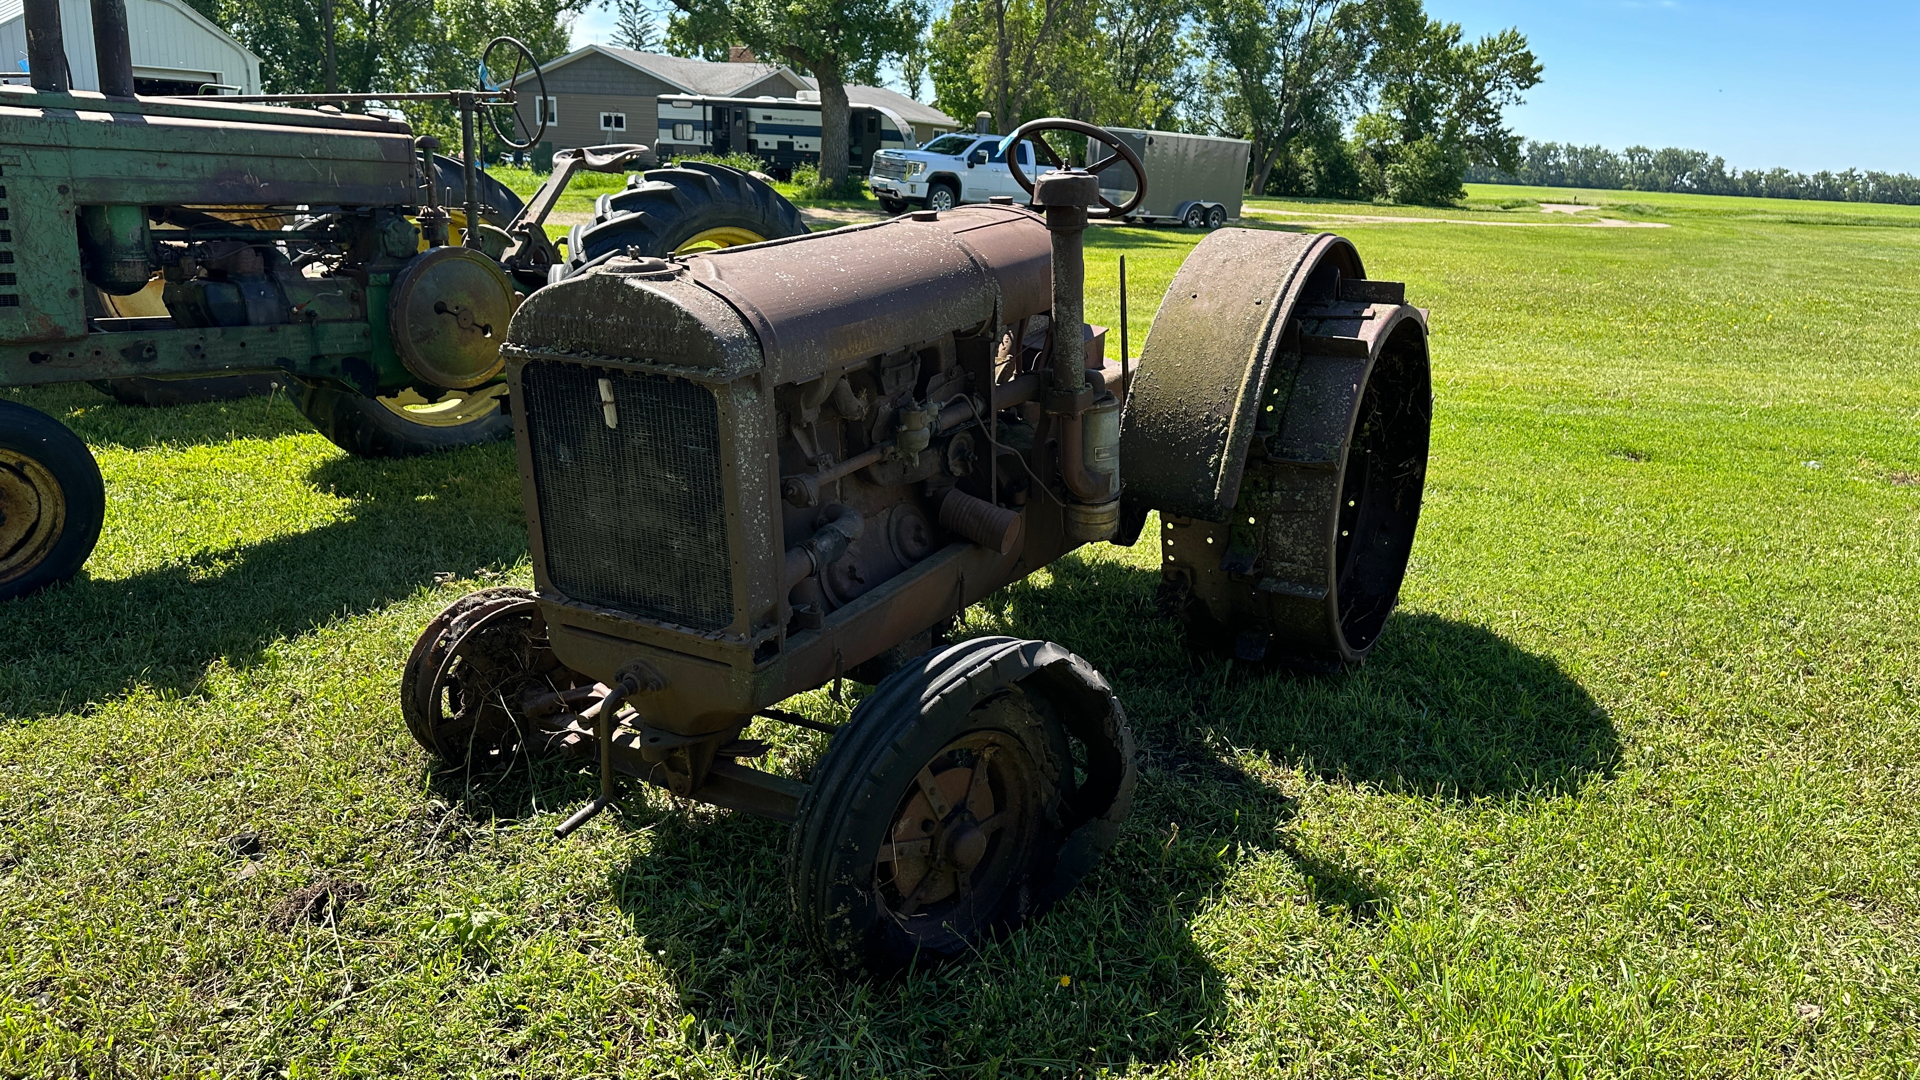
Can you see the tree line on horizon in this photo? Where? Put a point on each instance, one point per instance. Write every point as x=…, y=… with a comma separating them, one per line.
x=1638, y=168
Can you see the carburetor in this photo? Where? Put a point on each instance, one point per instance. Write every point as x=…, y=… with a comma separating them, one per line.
x=754, y=472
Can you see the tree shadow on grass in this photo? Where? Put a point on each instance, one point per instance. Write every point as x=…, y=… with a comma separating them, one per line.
x=92, y=639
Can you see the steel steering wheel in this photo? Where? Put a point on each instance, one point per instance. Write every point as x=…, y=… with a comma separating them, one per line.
x=511, y=99
x=1033, y=128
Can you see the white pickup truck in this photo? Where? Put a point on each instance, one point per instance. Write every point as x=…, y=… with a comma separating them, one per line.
x=947, y=171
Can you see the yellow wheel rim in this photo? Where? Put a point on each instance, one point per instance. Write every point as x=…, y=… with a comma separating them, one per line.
x=33, y=510
x=457, y=408
x=714, y=239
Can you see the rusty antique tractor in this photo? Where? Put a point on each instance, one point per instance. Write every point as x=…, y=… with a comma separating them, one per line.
x=147, y=243
x=751, y=472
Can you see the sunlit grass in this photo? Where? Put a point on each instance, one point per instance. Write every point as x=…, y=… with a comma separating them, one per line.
x=1628, y=787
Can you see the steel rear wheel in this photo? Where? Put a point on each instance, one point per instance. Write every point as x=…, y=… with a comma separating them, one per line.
x=52, y=501
x=969, y=793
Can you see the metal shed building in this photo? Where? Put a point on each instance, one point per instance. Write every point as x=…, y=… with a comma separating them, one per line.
x=175, y=49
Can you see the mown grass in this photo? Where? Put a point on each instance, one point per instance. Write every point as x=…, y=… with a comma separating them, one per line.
x=1627, y=789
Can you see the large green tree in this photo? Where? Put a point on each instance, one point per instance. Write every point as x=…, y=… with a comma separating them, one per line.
x=1284, y=69
x=835, y=41
x=1441, y=108
x=1097, y=60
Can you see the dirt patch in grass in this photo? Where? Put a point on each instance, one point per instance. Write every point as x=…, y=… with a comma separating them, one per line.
x=319, y=903
x=1905, y=479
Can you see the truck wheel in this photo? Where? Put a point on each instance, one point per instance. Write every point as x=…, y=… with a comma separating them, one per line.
x=942, y=196
x=692, y=206
x=893, y=206
x=969, y=793
x=1216, y=216
x=404, y=424
x=1196, y=217
x=52, y=501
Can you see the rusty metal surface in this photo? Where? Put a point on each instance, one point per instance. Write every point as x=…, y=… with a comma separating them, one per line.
x=1191, y=410
x=1308, y=564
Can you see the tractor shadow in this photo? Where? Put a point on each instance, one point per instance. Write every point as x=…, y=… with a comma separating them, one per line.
x=163, y=628
x=1444, y=710
x=107, y=424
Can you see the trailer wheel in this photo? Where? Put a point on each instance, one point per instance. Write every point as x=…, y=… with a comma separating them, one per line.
x=404, y=423
x=1216, y=216
x=969, y=793
x=1196, y=217
x=942, y=196
x=691, y=206
x=52, y=501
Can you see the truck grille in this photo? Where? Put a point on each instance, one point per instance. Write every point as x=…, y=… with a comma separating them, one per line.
x=891, y=168
x=632, y=516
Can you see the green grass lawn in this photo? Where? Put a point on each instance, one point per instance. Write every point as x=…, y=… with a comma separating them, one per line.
x=1628, y=788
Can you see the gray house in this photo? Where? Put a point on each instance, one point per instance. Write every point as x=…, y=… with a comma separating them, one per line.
x=598, y=94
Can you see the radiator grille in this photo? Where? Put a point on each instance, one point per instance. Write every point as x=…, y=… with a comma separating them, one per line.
x=891, y=168
x=632, y=516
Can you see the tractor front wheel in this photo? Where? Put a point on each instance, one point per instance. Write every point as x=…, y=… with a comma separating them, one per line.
x=404, y=423
x=52, y=501
x=969, y=793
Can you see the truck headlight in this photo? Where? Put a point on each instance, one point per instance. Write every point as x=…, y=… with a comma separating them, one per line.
x=915, y=168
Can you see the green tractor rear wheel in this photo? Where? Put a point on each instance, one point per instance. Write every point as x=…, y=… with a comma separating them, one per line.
x=689, y=207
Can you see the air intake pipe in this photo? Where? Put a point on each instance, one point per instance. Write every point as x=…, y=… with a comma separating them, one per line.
x=112, y=48
x=46, y=48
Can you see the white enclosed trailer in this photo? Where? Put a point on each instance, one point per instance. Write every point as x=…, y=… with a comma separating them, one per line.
x=1192, y=180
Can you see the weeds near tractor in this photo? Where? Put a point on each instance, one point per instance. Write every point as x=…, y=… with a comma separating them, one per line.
x=1626, y=788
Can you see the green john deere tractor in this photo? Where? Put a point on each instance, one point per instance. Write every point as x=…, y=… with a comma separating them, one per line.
x=148, y=243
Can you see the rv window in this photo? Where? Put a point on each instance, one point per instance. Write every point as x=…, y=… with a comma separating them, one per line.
x=873, y=123
x=683, y=133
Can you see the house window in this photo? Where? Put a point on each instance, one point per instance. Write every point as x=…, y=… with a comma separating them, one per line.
x=550, y=107
x=683, y=132
x=613, y=121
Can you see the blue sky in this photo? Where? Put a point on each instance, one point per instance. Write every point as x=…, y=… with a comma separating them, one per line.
x=1805, y=86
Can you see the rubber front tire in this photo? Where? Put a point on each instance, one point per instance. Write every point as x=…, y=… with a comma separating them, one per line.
x=691, y=206
x=52, y=501
x=894, y=206
x=405, y=424
x=1031, y=756
x=942, y=196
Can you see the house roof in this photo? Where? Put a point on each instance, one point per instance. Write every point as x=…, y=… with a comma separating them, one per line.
x=913, y=112
x=709, y=78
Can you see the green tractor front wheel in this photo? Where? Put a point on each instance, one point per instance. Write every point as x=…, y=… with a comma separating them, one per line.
x=404, y=423
x=52, y=501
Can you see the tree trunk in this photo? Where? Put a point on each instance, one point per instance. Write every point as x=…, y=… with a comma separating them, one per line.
x=835, y=117
x=1264, y=159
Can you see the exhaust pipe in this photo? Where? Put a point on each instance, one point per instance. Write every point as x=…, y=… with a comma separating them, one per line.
x=112, y=50
x=46, y=50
